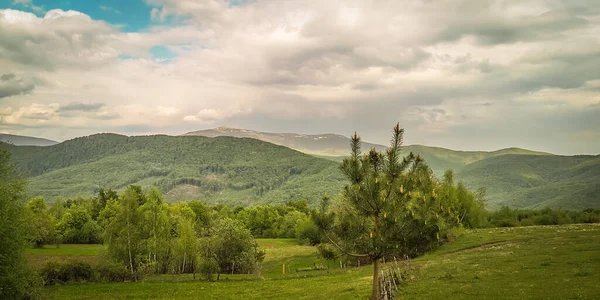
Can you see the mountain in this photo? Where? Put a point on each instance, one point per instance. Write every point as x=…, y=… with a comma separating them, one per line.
x=537, y=181
x=20, y=140
x=327, y=144
x=335, y=147
x=512, y=176
x=223, y=170
x=247, y=171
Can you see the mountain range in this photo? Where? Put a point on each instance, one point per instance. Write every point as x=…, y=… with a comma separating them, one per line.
x=245, y=167
x=20, y=140
x=335, y=147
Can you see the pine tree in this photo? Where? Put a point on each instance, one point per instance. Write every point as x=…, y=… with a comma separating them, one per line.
x=388, y=208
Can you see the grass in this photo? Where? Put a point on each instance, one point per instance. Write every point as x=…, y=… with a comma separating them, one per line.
x=66, y=250
x=546, y=262
x=37, y=256
x=542, y=262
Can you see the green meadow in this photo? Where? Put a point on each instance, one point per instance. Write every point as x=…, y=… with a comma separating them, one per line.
x=538, y=262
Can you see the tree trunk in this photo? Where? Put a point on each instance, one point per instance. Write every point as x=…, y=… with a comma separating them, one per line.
x=375, y=293
x=129, y=245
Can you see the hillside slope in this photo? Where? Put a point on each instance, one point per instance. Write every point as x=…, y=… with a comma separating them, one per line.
x=20, y=140
x=248, y=171
x=537, y=181
x=224, y=169
x=321, y=144
x=335, y=147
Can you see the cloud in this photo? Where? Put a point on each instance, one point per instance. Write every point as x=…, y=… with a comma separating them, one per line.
x=81, y=107
x=11, y=85
x=109, y=9
x=449, y=70
x=210, y=116
x=29, y=4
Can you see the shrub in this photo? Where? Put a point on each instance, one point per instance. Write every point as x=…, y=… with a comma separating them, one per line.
x=51, y=273
x=54, y=272
x=327, y=251
x=76, y=271
x=307, y=232
x=208, y=268
x=112, y=272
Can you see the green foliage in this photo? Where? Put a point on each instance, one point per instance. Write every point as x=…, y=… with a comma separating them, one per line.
x=508, y=217
x=155, y=228
x=501, y=263
x=122, y=233
x=390, y=207
x=16, y=279
x=232, y=247
x=230, y=170
x=327, y=251
x=108, y=271
x=537, y=181
x=77, y=226
x=54, y=272
x=41, y=223
x=307, y=232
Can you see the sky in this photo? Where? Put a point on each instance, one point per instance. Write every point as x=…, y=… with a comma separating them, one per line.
x=460, y=74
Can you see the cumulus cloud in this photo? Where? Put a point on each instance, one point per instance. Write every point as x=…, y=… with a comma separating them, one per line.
x=11, y=85
x=440, y=67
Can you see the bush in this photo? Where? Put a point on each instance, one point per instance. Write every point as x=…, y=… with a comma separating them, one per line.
x=51, y=273
x=327, y=251
x=208, y=268
x=54, y=272
x=307, y=232
x=112, y=272
x=77, y=271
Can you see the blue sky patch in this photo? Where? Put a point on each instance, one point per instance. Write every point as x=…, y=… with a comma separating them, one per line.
x=130, y=15
x=162, y=53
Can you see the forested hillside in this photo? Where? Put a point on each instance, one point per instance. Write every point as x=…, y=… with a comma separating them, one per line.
x=537, y=181
x=248, y=171
x=226, y=170
x=335, y=147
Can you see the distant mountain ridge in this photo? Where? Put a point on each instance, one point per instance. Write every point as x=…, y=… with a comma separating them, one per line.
x=328, y=144
x=21, y=140
x=335, y=147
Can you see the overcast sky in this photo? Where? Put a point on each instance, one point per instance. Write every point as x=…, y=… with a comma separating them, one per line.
x=464, y=75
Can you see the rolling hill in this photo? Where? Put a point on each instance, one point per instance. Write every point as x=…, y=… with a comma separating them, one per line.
x=20, y=140
x=321, y=144
x=334, y=147
x=537, y=181
x=224, y=169
x=246, y=171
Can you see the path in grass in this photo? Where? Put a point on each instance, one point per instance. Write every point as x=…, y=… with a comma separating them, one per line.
x=553, y=262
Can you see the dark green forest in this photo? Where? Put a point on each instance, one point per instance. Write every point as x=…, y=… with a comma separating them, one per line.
x=218, y=170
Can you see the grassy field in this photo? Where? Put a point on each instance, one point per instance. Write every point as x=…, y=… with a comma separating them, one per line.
x=550, y=262
x=37, y=256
